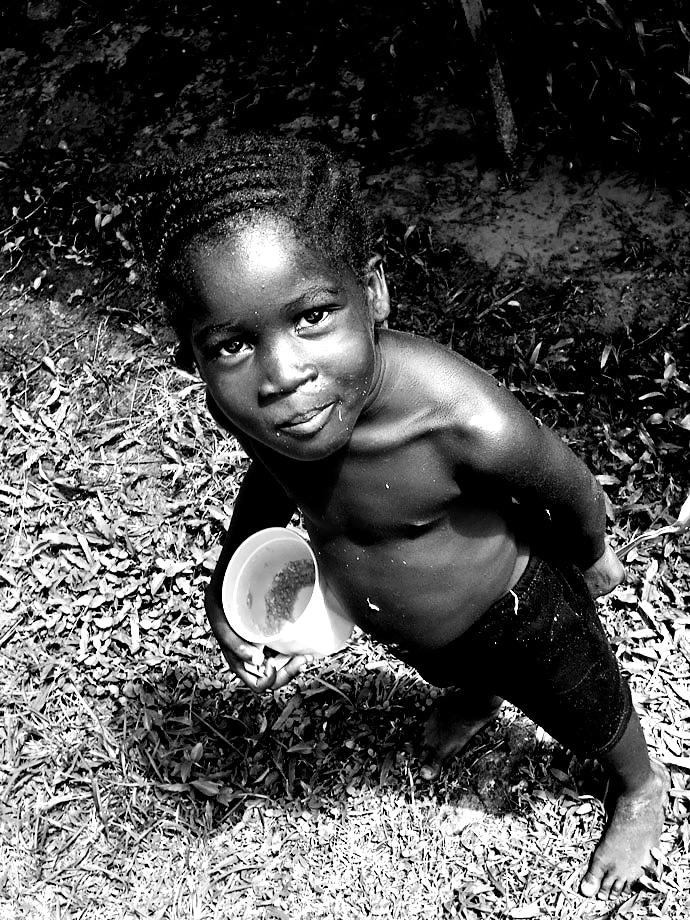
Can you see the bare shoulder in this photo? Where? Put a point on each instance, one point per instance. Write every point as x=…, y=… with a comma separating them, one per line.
x=479, y=425
x=468, y=413
x=421, y=355
x=441, y=379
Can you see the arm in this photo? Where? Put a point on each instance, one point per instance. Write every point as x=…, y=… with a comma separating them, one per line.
x=261, y=502
x=540, y=469
x=605, y=573
x=498, y=438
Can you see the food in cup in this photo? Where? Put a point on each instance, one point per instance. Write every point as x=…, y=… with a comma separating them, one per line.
x=288, y=594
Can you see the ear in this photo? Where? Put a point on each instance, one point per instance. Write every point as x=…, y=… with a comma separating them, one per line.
x=378, y=297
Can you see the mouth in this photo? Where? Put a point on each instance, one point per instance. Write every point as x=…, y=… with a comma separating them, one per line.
x=307, y=423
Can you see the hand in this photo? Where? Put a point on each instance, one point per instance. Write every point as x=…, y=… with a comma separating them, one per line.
x=240, y=654
x=605, y=574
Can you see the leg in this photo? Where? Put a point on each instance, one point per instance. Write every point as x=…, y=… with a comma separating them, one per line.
x=639, y=791
x=455, y=718
x=569, y=682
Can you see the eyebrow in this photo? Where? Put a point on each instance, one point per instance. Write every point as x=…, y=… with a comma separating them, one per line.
x=311, y=293
x=208, y=332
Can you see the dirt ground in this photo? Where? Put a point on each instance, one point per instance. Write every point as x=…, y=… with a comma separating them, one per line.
x=623, y=244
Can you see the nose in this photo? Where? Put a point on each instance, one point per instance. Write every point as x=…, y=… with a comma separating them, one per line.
x=284, y=368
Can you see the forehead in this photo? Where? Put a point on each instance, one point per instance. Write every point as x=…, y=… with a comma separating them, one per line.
x=255, y=251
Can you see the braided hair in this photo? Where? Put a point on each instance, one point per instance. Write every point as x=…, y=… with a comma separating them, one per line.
x=207, y=188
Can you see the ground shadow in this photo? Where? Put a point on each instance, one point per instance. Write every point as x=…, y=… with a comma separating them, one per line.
x=323, y=740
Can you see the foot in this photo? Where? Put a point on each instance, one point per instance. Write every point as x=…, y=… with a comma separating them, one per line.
x=633, y=831
x=450, y=726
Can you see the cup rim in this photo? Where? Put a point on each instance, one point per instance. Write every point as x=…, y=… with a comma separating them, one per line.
x=288, y=629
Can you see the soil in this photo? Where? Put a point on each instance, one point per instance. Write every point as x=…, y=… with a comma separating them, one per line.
x=622, y=246
x=80, y=94
x=621, y=243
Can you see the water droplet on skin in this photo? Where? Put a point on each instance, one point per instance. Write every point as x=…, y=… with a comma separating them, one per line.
x=340, y=412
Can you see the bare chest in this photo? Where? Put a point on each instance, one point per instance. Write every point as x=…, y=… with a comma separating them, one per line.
x=375, y=495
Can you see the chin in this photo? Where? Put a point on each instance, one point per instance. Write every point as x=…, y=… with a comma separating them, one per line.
x=310, y=449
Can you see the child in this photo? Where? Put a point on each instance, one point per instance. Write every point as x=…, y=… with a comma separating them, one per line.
x=419, y=477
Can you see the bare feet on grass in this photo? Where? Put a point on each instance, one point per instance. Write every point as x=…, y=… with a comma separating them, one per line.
x=624, y=851
x=453, y=721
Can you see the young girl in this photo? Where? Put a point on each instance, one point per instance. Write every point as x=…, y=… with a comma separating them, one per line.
x=420, y=479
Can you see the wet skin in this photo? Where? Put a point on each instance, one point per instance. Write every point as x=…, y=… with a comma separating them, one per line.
x=400, y=455
x=403, y=458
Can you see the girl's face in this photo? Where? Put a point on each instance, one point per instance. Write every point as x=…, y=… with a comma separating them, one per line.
x=284, y=339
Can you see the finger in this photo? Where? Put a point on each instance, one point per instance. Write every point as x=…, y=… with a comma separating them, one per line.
x=274, y=678
x=257, y=684
x=244, y=669
x=431, y=765
x=236, y=649
x=230, y=642
x=290, y=670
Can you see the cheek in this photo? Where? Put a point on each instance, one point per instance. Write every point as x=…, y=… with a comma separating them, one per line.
x=355, y=382
x=358, y=364
x=352, y=352
x=231, y=392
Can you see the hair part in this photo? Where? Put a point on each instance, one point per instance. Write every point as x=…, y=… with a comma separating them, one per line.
x=205, y=189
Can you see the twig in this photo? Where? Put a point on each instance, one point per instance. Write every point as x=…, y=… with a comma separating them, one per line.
x=50, y=354
x=218, y=734
x=649, y=536
x=679, y=526
x=333, y=688
x=109, y=742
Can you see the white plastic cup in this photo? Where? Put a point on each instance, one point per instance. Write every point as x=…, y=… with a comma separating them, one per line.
x=321, y=628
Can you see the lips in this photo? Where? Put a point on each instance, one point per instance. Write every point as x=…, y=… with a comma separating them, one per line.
x=307, y=423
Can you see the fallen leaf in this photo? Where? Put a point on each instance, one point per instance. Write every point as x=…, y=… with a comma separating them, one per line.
x=528, y=910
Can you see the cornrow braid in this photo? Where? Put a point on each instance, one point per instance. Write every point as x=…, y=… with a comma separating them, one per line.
x=207, y=187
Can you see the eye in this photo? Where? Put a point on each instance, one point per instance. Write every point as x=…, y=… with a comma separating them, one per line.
x=229, y=348
x=312, y=317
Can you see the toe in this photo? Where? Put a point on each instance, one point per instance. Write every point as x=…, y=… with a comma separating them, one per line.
x=594, y=882
x=589, y=885
x=618, y=889
x=605, y=887
x=431, y=766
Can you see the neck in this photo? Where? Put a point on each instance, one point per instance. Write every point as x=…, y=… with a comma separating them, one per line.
x=372, y=404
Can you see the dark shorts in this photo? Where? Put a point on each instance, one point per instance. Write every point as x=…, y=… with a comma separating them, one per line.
x=543, y=648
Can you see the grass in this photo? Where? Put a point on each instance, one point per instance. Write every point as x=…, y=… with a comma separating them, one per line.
x=140, y=780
